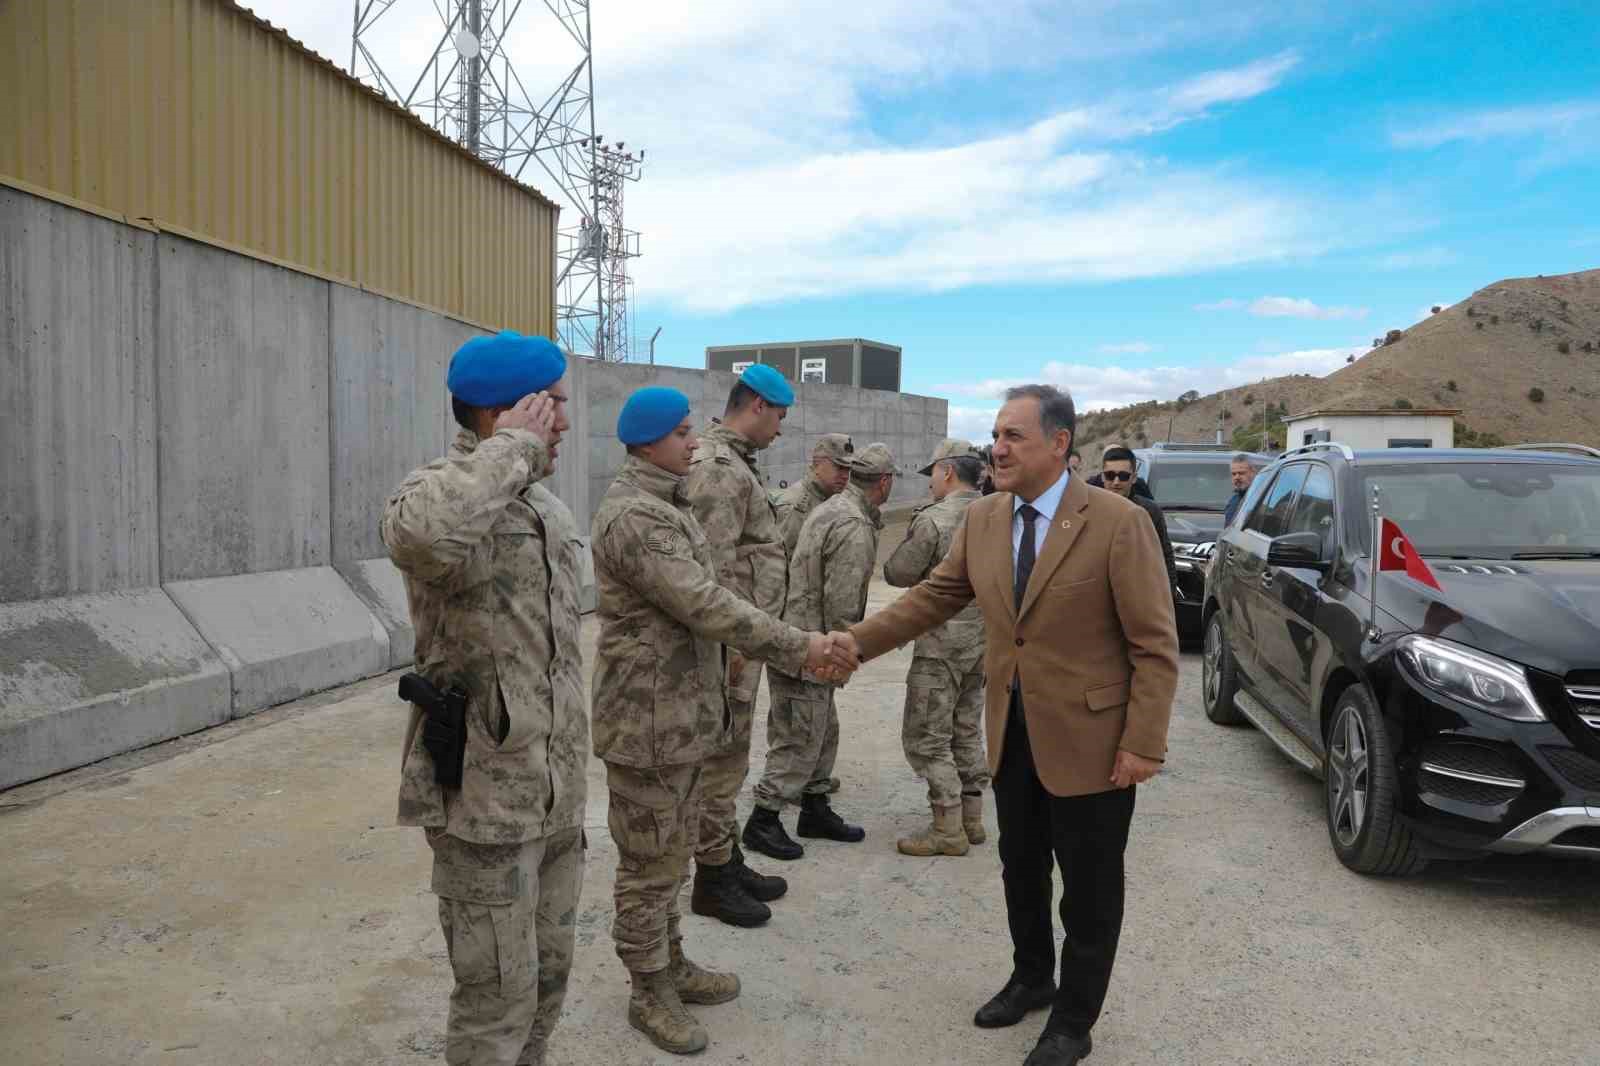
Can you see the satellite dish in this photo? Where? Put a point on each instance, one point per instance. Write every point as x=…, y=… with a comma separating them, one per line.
x=467, y=46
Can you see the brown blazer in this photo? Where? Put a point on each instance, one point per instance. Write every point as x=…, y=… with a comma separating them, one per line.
x=1095, y=644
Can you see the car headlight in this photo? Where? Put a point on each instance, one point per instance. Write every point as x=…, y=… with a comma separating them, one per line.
x=1479, y=680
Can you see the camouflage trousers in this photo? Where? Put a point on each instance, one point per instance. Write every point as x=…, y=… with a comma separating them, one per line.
x=654, y=814
x=943, y=729
x=721, y=780
x=802, y=741
x=508, y=912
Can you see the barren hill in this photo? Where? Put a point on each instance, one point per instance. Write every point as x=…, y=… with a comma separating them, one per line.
x=1482, y=355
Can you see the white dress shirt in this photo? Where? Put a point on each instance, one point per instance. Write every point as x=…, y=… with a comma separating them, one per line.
x=1047, y=504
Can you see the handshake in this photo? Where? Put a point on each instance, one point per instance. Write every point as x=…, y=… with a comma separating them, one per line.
x=832, y=657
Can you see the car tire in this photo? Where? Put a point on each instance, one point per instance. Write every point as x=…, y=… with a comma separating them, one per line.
x=1361, y=792
x=1219, y=678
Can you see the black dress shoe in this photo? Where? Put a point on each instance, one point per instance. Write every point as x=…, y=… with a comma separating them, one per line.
x=1012, y=1003
x=1059, y=1049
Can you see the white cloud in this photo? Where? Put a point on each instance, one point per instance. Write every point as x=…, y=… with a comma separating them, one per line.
x=1130, y=348
x=766, y=181
x=1290, y=307
x=1096, y=387
x=1283, y=307
x=1571, y=119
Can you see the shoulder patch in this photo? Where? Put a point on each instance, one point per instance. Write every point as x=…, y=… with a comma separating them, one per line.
x=666, y=542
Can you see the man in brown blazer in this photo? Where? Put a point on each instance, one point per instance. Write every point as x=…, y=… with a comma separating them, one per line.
x=1082, y=661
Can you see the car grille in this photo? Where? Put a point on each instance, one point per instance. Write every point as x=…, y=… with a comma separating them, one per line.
x=1470, y=773
x=1192, y=585
x=1574, y=765
x=1583, y=689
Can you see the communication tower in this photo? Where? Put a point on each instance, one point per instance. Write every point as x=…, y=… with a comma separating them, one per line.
x=471, y=92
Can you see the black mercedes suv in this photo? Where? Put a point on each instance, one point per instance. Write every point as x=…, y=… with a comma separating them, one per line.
x=1190, y=483
x=1443, y=723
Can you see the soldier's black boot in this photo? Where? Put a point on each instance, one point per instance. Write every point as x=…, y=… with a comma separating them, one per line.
x=765, y=833
x=718, y=894
x=763, y=887
x=818, y=819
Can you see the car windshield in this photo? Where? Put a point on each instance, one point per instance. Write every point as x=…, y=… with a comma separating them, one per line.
x=1191, y=486
x=1491, y=511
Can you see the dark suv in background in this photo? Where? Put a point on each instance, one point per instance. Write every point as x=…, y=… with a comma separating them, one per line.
x=1191, y=484
x=1446, y=722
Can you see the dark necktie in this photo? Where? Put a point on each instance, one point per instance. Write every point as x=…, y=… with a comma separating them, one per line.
x=1025, y=552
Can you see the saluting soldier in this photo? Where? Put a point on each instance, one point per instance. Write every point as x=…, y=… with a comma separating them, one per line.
x=660, y=708
x=488, y=557
x=749, y=560
x=943, y=730
x=827, y=476
x=829, y=573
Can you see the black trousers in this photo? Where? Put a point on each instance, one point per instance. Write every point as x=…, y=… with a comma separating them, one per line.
x=1084, y=835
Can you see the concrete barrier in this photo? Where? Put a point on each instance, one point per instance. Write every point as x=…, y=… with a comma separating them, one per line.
x=379, y=585
x=286, y=634
x=83, y=678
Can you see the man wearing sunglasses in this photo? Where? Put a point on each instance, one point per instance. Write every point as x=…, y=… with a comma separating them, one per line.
x=1117, y=475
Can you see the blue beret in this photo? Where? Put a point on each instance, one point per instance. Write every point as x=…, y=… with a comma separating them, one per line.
x=651, y=414
x=768, y=384
x=500, y=370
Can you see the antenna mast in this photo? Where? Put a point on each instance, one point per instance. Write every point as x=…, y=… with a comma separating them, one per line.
x=470, y=91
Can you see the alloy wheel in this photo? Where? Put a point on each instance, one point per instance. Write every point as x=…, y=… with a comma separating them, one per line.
x=1211, y=663
x=1348, y=776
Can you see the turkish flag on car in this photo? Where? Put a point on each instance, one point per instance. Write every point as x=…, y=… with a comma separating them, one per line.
x=1396, y=552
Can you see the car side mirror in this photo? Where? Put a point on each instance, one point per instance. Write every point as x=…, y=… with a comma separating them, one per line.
x=1302, y=550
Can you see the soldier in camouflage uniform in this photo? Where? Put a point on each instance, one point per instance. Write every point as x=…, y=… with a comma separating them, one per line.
x=943, y=728
x=749, y=560
x=659, y=704
x=490, y=562
x=828, y=475
x=828, y=577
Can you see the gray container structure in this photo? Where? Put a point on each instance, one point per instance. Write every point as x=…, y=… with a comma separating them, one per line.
x=851, y=361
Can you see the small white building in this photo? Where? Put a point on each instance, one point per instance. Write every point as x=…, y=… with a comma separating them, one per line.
x=1387, y=428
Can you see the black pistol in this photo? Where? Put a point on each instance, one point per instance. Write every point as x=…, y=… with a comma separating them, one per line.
x=444, y=725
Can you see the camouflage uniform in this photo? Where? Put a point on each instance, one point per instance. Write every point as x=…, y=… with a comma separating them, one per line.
x=943, y=730
x=490, y=559
x=800, y=499
x=659, y=706
x=829, y=573
x=749, y=560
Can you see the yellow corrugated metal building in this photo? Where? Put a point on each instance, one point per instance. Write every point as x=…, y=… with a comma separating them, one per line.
x=197, y=117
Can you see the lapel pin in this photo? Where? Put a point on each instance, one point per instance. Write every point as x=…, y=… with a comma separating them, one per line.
x=1066, y=525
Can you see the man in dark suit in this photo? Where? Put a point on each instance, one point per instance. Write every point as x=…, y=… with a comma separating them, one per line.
x=1079, y=626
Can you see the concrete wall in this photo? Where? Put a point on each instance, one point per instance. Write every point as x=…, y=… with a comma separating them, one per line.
x=77, y=402
x=195, y=447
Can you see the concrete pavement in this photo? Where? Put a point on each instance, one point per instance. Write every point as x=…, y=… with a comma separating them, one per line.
x=243, y=897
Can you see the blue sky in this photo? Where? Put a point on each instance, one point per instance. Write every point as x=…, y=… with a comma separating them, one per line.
x=1129, y=199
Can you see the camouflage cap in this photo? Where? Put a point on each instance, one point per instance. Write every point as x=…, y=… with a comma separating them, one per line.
x=835, y=446
x=874, y=460
x=950, y=448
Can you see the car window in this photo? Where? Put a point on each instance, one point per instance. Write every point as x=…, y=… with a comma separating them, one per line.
x=1271, y=516
x=1314, y=511
x=1490, y=510
x=1190, y=485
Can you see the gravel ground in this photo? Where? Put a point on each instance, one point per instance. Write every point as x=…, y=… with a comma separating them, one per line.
x=242, y=897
